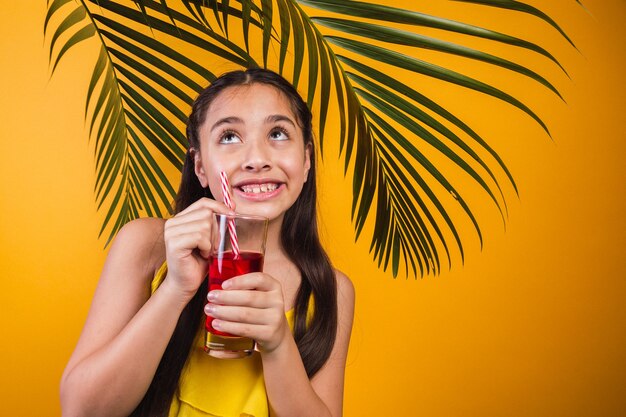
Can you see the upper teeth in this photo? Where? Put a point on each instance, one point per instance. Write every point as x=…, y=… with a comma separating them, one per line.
x=259, y=188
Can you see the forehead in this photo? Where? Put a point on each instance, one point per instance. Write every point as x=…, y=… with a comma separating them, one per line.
x=247, y=101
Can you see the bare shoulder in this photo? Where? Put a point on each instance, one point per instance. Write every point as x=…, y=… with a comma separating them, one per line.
x=146, y=227
x=345, y=290
x=141, y=239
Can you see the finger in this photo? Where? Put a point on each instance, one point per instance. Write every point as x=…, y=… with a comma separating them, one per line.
x=192, y=214
x=238, y=314
x=258, y=332
x=183, y=237
x=216, y=206
x=245, y=298
x=253, y=281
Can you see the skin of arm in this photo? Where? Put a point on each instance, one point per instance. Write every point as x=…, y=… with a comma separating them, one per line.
x=126, y=331
x=260, y=314
x=285, y=373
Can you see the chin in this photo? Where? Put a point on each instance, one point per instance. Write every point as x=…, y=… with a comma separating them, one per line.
x=271, y=213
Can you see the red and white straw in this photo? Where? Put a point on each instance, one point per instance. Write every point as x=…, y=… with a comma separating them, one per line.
x=228, y=201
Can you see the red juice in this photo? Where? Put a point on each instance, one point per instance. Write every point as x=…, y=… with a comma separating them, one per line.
x=228, y=266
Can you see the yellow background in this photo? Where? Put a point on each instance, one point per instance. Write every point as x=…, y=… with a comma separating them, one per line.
x=532, y=325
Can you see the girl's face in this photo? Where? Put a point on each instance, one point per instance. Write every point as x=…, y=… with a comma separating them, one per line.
x=252, y=133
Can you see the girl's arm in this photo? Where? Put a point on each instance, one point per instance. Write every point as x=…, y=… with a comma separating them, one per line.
x=288, y=387
x=126, y=331
x=259, y=314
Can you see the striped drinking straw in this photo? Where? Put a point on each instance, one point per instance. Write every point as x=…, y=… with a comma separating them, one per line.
x=231, y=222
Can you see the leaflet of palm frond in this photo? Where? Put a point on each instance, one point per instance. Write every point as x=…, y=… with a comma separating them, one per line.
x=386, y=133
x=246, y=12
x=346, y=143
x=414, y=229
x=405, y=187
x=414, y=95
x=221, y=11
x=302, y=25
x=73, y=19
x=162, y=119
x=392, y=219
x=83, y=34
x=140, y=58
x=114, y=150
x=110, y=95
x=237, y=56
x=134, y=201
x=340, y=92
x=320, y=61
x=267, y=7
x=298, y=42
x=325, y=86
x=111, y=166
x=150, y=174
x=225, y=7
x=382, y=224
x=391, y=132
x=113, y=207
x=399, y=60
x=285, y=33
x=195, y=10
x=139, y=171
x=52, y=9
x=143, y=192
x=399, y=116
x=410, y=222
x=167, y=11
x=313, y=64
x=159, y=81
x=428, y=120
x=401, y=37
x=158, y=47
x=365, y=166
x=146, y=125
x=98, y=70
x=150, y=168
x=403, y=16
x=522, y=7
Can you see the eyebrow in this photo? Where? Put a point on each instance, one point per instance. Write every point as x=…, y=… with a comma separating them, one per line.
x=279, y=118
x=272, y=118
x=226, y=120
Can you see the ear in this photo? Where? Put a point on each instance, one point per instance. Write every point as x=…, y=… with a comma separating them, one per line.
x=197, y=167
x=307, y=161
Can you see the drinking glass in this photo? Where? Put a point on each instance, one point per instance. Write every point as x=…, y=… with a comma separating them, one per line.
x=239, y=249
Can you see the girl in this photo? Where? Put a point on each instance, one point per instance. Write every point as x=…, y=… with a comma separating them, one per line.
x=140, y=350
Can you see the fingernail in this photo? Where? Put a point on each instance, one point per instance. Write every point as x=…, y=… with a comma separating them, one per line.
x=216, y=324
x=212, y=296
x=209, y=309
x=226, y=285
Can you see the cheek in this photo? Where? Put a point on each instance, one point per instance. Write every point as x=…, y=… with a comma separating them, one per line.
x=212, y=167
x=297, y=169
x=216, y=190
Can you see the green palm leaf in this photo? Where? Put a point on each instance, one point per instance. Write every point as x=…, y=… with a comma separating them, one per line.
x=142, y=87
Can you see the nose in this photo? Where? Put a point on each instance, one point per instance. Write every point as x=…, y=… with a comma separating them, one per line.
x=258, y=156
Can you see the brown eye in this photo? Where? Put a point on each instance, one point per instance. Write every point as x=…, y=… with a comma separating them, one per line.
x=279, y=134
x=229, y=137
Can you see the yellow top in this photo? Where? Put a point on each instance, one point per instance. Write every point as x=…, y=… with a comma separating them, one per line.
x=219, y=387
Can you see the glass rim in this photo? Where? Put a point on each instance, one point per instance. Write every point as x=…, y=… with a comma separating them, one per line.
x=243, y=216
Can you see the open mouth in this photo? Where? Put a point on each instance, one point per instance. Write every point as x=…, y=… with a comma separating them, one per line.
x=259, y=188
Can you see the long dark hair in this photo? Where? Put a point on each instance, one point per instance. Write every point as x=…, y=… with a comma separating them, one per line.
x=315, y=337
